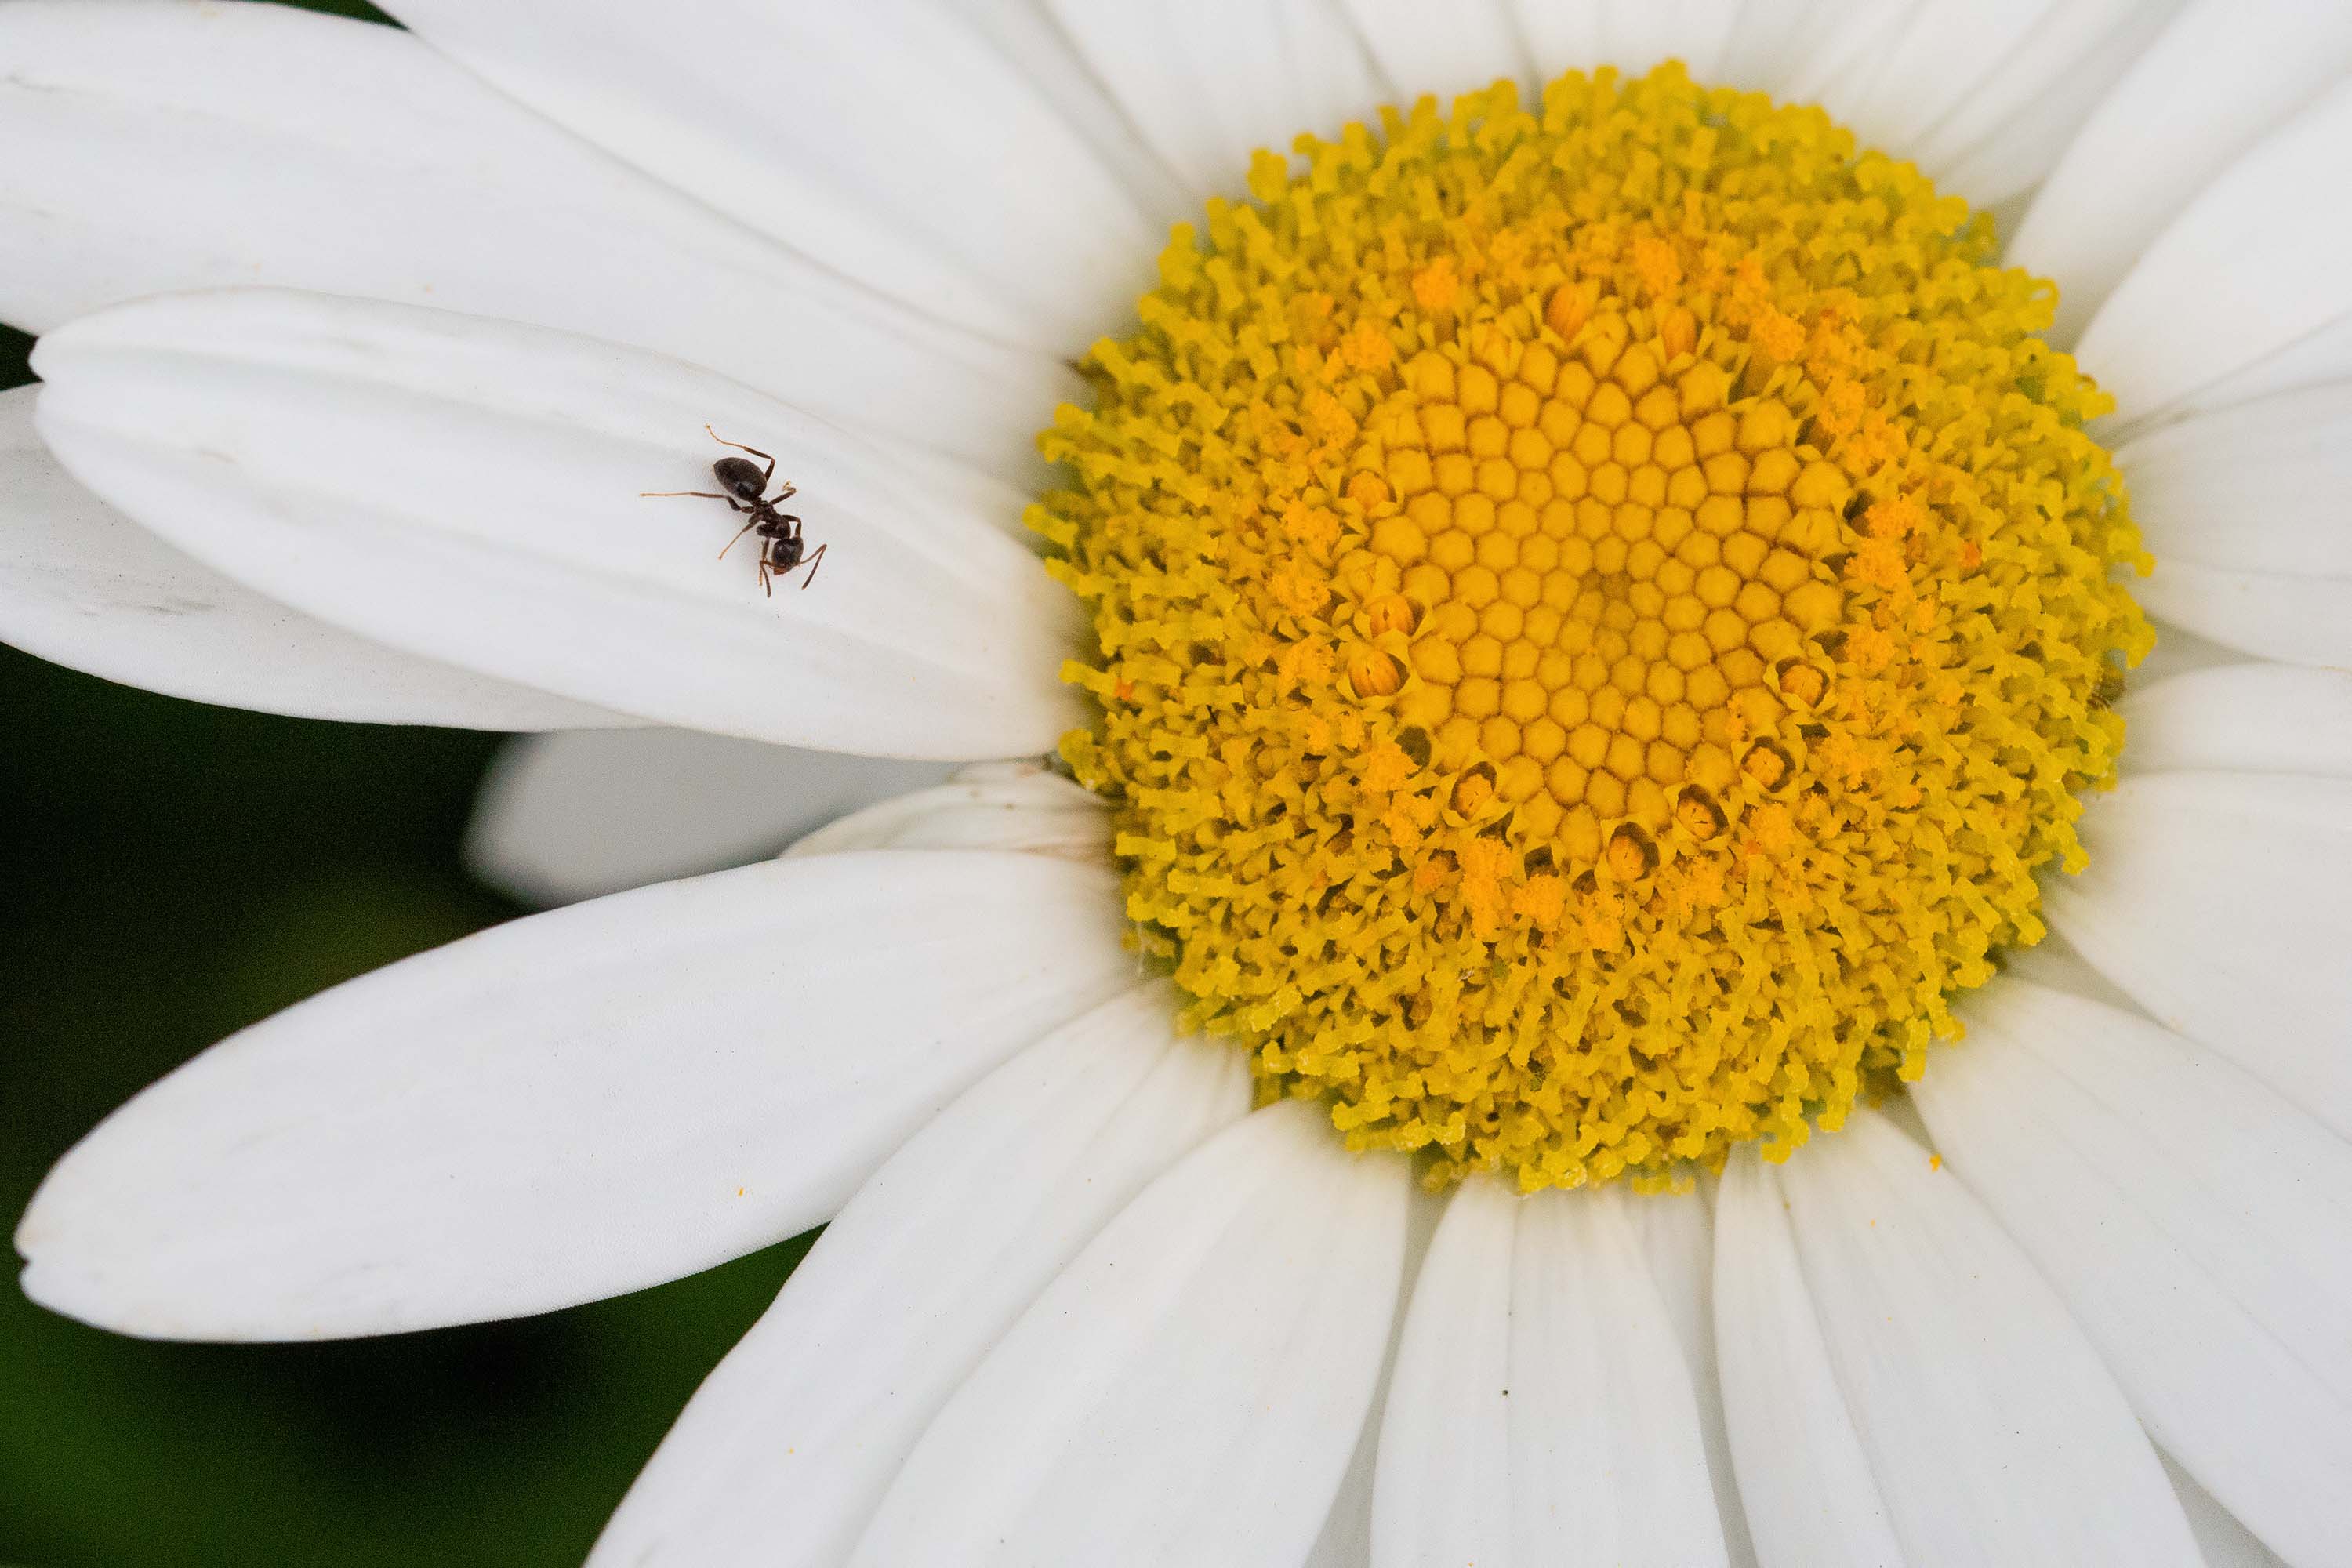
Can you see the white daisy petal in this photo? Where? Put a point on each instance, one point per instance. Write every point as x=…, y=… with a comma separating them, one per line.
x=989, y=805
x=151, y=148
x=2241, y=718
x=1843, y=45
x=571, y=1106
x=1638, y=34
x=2221, y=1538
x=2196, y=1222
x=2277, y=615
x=577, y=816
x=1441, y=49
x=1564, y=34
x=1994, y=1431
x=2179, y=651
x=2242, y=509
x=469, y=490
x=1189, y=1388
x=1867, y=56
x=1718, y=39
x=888, y=140
x=2053, y=963
x=1771, y=40
x=1442, y=1492
x=1804, y=1480
x=2220, y=901
x=1983, y=97
x=1541, y=1410
x=2247, y=271
x=2001, y=140
x=2320, y=356
x=1212, y=81
x=1608, y=1466
x=1678, y=1237
x=1347, y=1538
x=2221, y=76
x=782, y=1457
x=1026, y=33
x=84, y=586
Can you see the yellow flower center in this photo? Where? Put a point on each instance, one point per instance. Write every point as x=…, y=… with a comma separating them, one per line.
x=1603, y=613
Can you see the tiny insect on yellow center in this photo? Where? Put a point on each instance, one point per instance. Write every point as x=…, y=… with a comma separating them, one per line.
x=1601, y=613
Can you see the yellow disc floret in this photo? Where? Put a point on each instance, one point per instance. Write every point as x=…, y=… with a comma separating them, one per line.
x=1601, y=615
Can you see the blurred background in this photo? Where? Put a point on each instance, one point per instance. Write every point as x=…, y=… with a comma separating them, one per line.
x=169, y=872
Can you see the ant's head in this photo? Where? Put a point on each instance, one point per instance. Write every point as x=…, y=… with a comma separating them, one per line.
x=740, y=478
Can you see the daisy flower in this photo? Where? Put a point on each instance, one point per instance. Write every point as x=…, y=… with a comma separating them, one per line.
x=1582, y=616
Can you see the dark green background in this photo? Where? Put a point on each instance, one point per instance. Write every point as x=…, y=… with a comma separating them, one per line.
x=169, y=872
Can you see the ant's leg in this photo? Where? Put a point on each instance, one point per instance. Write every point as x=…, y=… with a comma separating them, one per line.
x=740, y=448
x=706, y=495
x=740, y=533
x=813, y=561
x=767, y=586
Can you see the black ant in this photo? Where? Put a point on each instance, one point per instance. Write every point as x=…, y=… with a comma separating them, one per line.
x=746, y=486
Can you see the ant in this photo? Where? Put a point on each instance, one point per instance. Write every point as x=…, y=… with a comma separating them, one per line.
x=746, y=489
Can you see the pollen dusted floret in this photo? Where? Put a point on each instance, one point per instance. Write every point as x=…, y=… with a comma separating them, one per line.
x=1603, y=613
